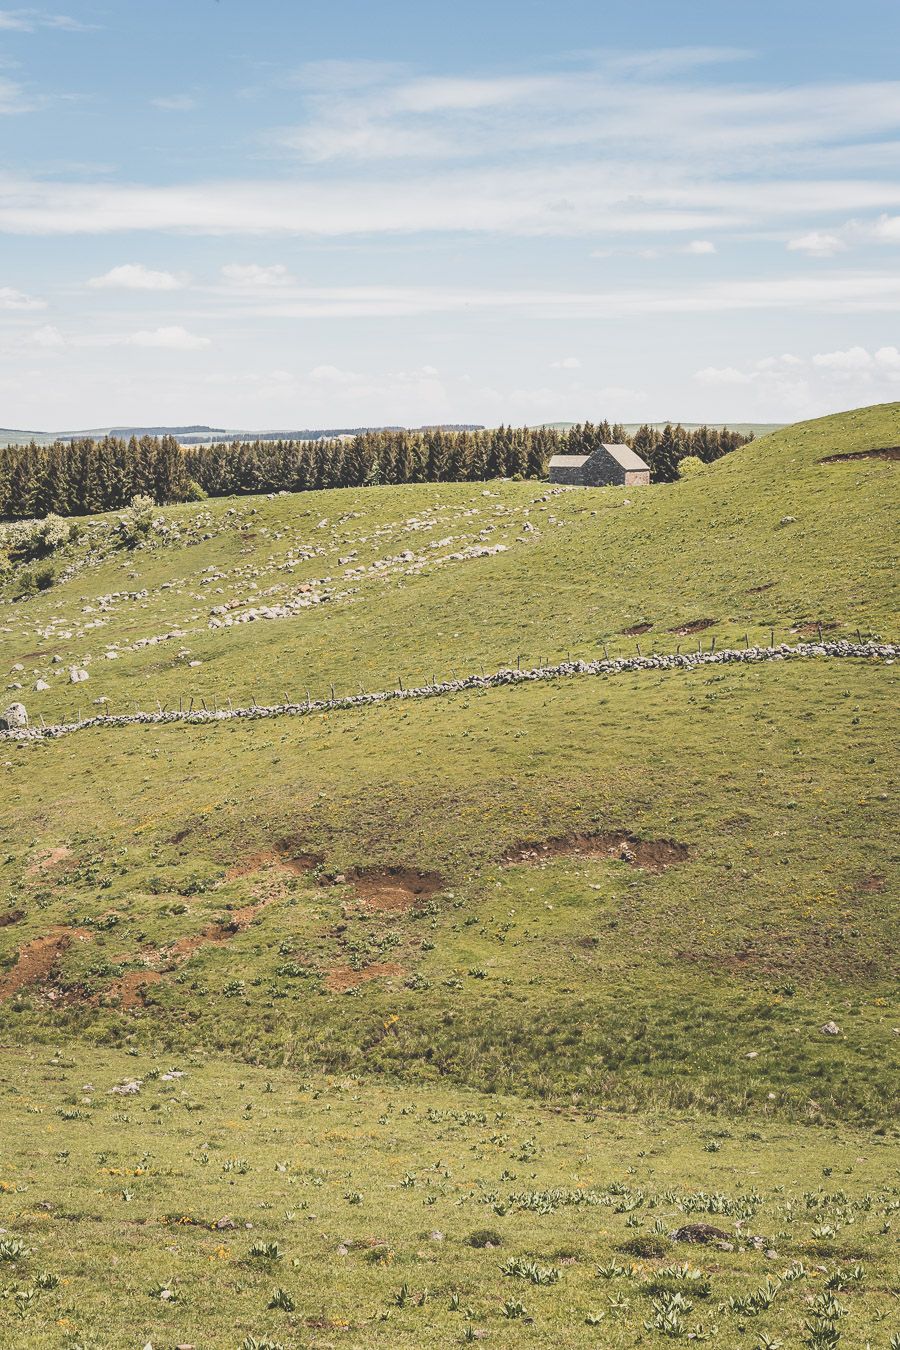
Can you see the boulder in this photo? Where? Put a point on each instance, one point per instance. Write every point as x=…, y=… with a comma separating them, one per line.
x=14, y=718
x=831, y=1029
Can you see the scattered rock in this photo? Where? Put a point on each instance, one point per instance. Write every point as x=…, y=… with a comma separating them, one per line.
x=15, y=718
x=831, y=1029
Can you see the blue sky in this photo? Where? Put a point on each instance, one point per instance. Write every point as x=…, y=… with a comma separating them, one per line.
x=267, y=213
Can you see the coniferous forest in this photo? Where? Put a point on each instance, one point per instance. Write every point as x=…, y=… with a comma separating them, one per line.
x=83, y=476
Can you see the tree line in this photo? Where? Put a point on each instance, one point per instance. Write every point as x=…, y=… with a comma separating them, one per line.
x=85, y=476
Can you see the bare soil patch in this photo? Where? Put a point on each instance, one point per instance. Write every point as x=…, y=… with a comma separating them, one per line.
x=757, y=590
x=11, y=916
x=393, y=890
x=653, y=855
x=810, y=628
x=51, y=857
x=636, y=629
x=888, y=452
x=299, y=864
x=872, y=885
x=37, y=959
x=695, y=626
x=129, y=990
x=340, y=978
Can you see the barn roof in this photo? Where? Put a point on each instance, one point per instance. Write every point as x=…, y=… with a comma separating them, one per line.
x=568, y=461
x=625, y=456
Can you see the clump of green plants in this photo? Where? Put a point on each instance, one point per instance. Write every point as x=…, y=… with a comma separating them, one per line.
x=485, y=1237
x=280, y=1298
x=265, y=1251
x=521, y=1269
x=681, y=1279
x=13, y=1249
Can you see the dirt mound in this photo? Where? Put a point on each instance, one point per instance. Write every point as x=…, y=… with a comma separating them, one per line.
x=695, y=626
x=340, y=978
x=636, y=629
x=37, y=959
x=889, y=452
x=700, y=1232
x=653, y=855
x=393, y=890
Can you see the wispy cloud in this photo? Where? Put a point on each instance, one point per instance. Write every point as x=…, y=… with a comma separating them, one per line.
x=174, y=338
x=136, y=277
x=14, y=99
x=174, y=102
x=28, y=20
x=13, y=299
x=255, y=276
x=569, y=199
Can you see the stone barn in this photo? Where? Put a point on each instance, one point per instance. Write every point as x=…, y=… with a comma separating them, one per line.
x=607, y=466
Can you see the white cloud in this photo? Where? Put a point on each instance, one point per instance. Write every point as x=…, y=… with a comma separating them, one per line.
x=175, y=338
x=887, y=230
x=13, y=299
x=174, y=102
x=888, y=359
x=14, y=99
x=853, y=359
x=567, y=363
x=700, y=247
x=48, y=336
x=136, y=277
x=789, y=386
x=27, y=20
x=722, y=375
x=818, y=244
x=842, y=292
x=252, y=274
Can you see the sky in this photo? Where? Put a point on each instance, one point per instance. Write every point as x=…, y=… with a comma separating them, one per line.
x=272, y=214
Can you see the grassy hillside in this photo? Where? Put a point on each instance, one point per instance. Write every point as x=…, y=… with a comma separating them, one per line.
x=367, y=895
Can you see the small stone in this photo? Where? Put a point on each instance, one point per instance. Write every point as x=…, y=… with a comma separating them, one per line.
x=831, y=1029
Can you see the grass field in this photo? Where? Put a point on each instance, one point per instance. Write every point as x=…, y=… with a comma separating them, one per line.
x=349, y=935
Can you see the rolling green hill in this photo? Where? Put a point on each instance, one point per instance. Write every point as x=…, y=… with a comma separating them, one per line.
x=551, y=960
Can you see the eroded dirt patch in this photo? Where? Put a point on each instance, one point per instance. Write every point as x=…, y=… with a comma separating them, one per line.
x=757, y=590
x=37, y=959
x=888, y=452
x=653, y=855
x=11, y=916
x=695, y=626
x=340, y=978
x=636, y=629
x=50, y=858
x=299, y=864
x=872, y=885
x=393, y=890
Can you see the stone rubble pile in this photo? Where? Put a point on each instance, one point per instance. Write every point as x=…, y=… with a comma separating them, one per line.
x=872, y=651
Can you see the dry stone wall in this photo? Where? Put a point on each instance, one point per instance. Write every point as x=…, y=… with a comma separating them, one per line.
x=886, y=652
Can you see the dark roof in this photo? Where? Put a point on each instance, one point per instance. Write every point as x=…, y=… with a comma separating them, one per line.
x=625, y=456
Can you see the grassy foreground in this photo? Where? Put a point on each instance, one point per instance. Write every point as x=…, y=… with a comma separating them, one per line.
x=554, y=961
x=222, y=1204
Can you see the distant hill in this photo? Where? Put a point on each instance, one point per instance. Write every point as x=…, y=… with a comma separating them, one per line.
x=204, y=435
x=743, y=428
